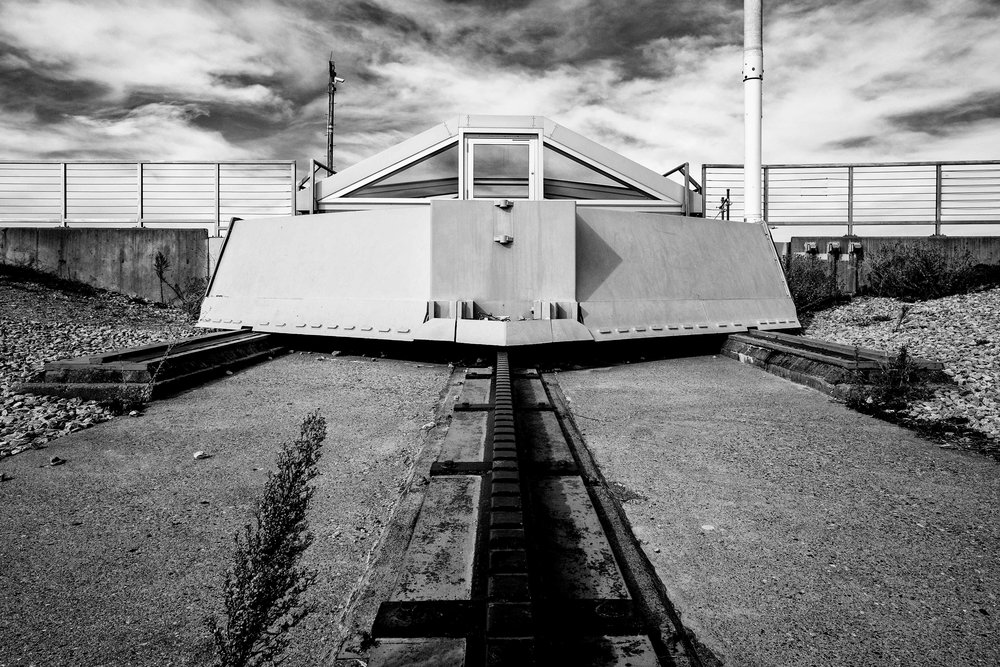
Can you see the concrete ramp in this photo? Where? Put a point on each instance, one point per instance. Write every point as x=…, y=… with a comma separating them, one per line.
x=501, y=274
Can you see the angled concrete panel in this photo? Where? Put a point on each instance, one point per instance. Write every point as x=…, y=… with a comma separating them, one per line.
x=642, y=274
x=360, y=275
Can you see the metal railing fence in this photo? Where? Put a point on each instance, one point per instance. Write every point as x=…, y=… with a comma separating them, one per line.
x=144, y=194
x=875, y=193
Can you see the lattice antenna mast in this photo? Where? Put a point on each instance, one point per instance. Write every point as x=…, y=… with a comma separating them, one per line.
x=334, y=80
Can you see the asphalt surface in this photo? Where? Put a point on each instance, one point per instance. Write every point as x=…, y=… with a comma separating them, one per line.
x=791, y=531
x=117, y=556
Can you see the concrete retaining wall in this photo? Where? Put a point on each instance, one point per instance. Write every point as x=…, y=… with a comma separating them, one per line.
x=851, y=270
x=114, y=259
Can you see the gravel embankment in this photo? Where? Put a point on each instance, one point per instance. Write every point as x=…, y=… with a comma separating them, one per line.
x=40, y=324
x=961, y=331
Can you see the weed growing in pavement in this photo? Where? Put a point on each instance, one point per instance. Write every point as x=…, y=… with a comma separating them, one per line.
x=890, y=389
x=127, y=397
x=263, y=588
x=190, y=295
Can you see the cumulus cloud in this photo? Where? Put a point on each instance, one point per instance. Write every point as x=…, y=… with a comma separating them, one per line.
x=153, y=131
x=850, y=80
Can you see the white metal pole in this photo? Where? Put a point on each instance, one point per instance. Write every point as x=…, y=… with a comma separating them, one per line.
x=753, y=77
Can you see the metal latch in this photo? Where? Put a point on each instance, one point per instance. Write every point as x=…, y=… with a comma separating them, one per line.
x=503, y=239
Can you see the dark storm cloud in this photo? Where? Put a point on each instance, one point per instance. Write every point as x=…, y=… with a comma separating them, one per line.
x=249, y=79
x=373, y=14
x=42, y=89
x=492, y=6
x=237, y=123
x=541, y=36
x=946, y=119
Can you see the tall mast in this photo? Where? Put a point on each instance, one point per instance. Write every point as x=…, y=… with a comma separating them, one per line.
x=753, y=78
x=329, y=115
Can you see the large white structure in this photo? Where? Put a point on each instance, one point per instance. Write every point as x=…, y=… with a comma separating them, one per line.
x=498, y=230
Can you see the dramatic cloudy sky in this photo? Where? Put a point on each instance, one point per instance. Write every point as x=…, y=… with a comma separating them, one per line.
x=658, y=80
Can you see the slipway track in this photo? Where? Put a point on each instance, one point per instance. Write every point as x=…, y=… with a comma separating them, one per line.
x=520, y=554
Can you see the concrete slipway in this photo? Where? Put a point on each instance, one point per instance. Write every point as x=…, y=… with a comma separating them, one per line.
x=788, y=530
x=791, y=531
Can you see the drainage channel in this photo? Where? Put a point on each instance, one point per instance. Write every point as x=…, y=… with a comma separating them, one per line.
x=520, y=555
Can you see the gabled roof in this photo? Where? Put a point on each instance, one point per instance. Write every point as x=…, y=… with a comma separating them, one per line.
x=448, y=133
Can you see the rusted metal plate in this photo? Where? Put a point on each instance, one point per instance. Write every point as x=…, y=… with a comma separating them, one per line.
x=439, y=560
x=576, y=560
x=530, y=393
x=544, y=444
x=634, y=651
x=465, y=438
x=436, y=652
x=475, y=390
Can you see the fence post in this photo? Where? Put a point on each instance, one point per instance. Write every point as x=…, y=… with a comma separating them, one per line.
x=294, y=205
x=937, y=199
x=767, y=183
x=218, y=196
x=139, y=193
x=687, y=185
x=850, y=201
x=63, y=208
x=704, y=191
x=312, y=187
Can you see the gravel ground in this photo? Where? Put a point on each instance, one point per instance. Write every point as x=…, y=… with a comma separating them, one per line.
x=789, y=530
x=826, y=543
x=40, y=324
x=117, y=556
x=962, y=331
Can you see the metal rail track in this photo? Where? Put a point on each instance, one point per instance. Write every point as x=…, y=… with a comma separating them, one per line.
x=520, y=554
x=151, y=371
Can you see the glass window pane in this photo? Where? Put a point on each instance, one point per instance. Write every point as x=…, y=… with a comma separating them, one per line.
x=500, y=170
x=434, y=176
x=566, y=178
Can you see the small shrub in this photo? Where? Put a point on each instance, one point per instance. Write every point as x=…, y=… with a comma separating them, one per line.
x=891, y=388
x=263, y=588
x=812, y=284
x=920, y=270
x=190, y=295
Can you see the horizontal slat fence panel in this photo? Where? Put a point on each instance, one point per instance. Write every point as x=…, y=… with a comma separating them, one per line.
x=30, y=191
x=159, y=194
x=866, y=195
